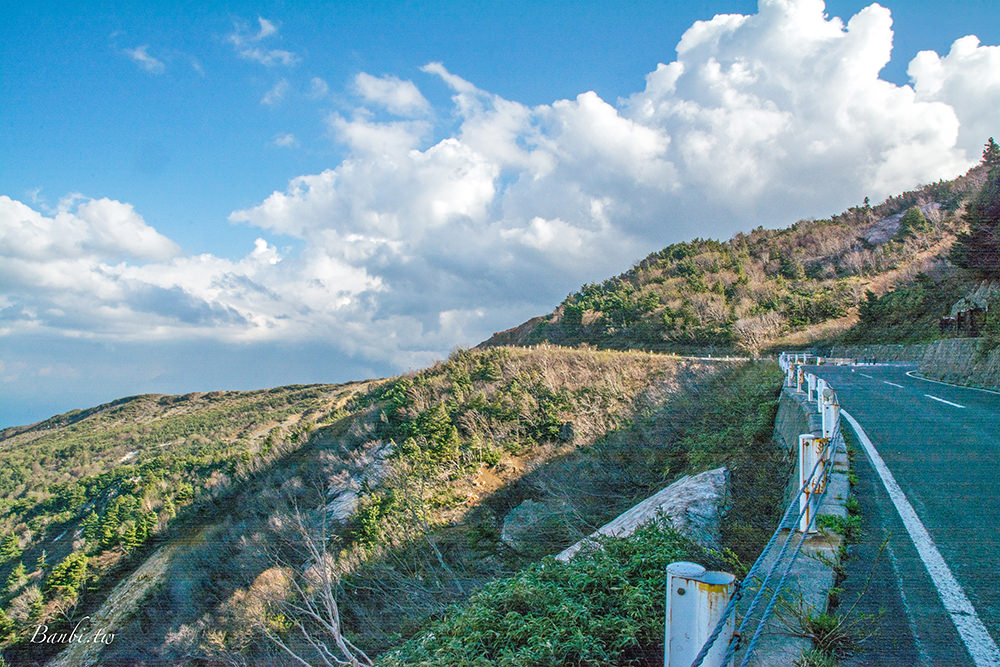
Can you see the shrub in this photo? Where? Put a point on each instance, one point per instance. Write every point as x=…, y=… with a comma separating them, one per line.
x=603, y=607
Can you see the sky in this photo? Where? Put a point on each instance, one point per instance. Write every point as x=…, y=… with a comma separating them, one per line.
x=246, y=195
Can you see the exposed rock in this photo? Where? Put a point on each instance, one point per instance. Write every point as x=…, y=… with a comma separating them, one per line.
x=370, y=468
x=693, y=505
x=524, y=523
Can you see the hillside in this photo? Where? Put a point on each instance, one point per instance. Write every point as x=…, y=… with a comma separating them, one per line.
x=783, y=287
x=84, y=496
x=186, y=523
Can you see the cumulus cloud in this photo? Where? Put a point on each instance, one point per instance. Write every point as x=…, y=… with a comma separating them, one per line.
x=426, y=236
x=396, y=96
x=285, y=140
x=248, y=45
x=967, y=79
x=141, y=57
x=95, y=269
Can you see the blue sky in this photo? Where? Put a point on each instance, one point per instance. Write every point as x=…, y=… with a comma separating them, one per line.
x=253, y=194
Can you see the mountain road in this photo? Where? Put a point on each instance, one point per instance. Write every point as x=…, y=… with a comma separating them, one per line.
x=929, y=484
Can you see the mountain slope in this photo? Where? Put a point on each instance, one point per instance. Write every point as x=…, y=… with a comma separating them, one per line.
x=767, y=287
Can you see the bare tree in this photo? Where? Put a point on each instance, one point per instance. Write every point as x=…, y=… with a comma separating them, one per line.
x=307, y=601
x=753, y=332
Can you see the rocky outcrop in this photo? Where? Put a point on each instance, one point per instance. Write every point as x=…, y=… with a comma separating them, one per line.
x=693, y=505
x=369, y=468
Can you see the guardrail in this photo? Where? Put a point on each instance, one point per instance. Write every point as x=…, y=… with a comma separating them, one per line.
x=725, y=642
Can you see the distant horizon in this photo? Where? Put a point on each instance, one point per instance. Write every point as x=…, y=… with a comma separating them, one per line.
x=271, y=195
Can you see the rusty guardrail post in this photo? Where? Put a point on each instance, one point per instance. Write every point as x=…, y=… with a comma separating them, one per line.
x=696, y=599
x=811, y=449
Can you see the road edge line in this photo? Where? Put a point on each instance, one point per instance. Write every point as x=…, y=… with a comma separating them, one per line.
x=978, y=642
x=913, y=374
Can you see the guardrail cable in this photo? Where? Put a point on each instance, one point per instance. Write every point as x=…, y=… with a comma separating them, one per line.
x=751, y=647
x=752, y=572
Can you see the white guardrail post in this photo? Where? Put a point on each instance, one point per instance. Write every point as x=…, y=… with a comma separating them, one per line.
x=696, y=599
x=811, y=386
x=810, y=452
x=820, y=388
x=800, y=377
x=830, y=411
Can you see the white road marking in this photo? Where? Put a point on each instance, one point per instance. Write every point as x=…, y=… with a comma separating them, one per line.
x=977, y=639
x=944, y=401
x=867, y=376
x=913, y=374
x=893, y=384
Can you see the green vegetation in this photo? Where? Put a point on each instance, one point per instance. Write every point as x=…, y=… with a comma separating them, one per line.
x=93, y=487
x=582, y=434
x=396, y=498
x=603, y=607
x=978, y=248
x=745, y=293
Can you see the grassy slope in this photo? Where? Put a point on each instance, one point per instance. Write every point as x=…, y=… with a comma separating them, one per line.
x=511, y=411
x=209, y=479
x=606, y=607
x=137, y=468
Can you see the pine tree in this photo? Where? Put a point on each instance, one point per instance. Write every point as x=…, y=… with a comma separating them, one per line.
x=68, y=575
x=18, y=577
x=130, y=539
x=91, y=526
x=991, y=154
x=979, y=248
x=42, y=561
x=10, y=548
x=7, y=626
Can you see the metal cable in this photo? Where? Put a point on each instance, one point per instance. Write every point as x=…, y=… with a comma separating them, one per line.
x=777, y=590
x=703, y=653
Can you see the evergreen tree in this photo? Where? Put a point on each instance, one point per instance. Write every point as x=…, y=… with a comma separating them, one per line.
x=978, y=249
x=991, y=154
x=912, y=223
x=130, y=538
x=68, y=575
x=7, y=626
x=18, y=577
x=42, y=561
x=91, y=526
x=10, y=548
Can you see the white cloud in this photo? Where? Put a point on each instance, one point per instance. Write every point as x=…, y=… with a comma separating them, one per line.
x=285, y=140
x=396, y=96
x=968, y=80
x=421, y=238
x=248, y=46
x=318, y=88
x=140, y=56
x=275, y=94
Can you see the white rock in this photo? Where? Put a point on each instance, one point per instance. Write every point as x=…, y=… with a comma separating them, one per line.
x=693, y=505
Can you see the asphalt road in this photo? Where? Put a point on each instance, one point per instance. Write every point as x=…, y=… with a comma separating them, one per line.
x=942, y=446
